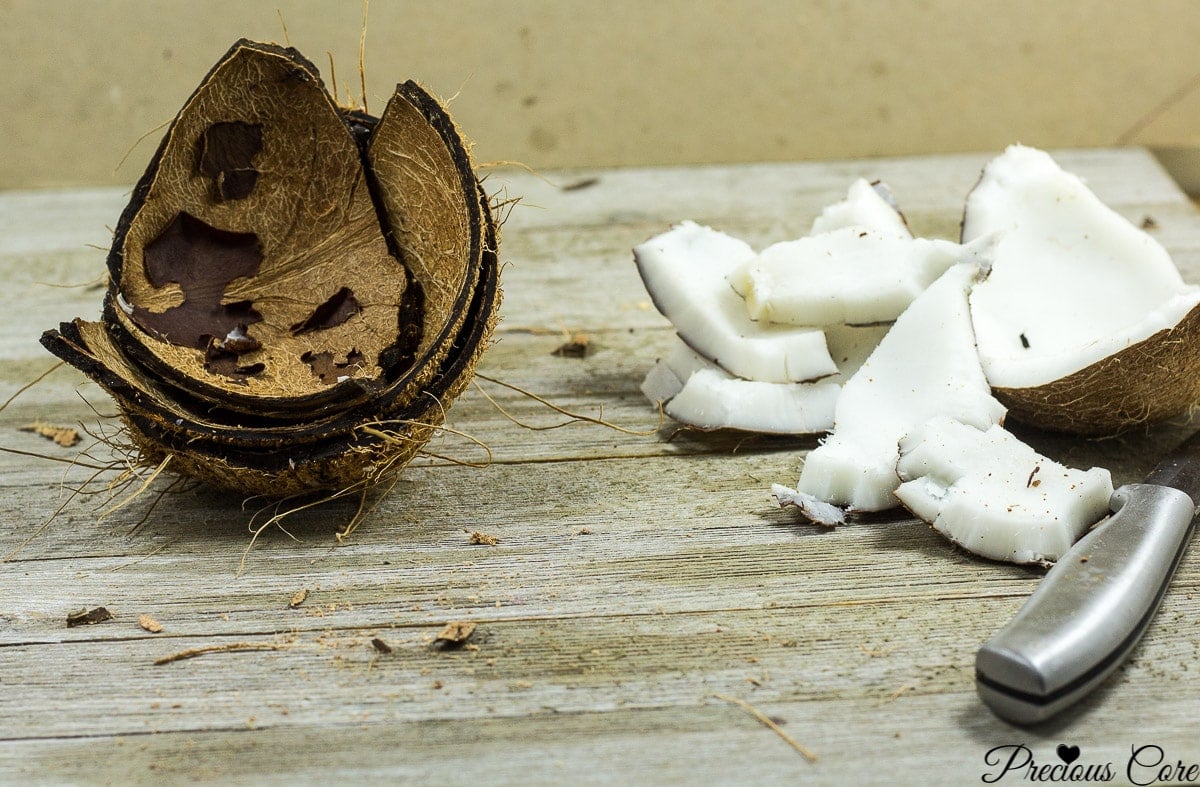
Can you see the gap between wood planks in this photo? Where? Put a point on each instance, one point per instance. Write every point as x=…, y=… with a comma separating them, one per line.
x=497, y=621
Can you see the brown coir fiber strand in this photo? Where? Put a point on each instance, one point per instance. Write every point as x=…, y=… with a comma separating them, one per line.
x=289, y=273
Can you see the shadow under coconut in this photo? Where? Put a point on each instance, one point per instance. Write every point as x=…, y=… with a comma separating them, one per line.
x=1129, y=455
x=689, y=439
x=194, y=518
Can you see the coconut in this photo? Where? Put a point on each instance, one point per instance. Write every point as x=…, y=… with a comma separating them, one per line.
x=297, y=291
x=924, y=367
x=995, y=496
x=813, y=509
x=685, y=270
x=870, y=206
x=1084, y=324
x=697, y=392
x=847, y=276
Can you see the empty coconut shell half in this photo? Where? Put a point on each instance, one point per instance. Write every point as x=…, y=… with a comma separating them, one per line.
x=297, y=291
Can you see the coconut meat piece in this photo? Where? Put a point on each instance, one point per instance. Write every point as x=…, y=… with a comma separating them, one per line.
x=995, y=496
x=867, y=205
x=816, y=511
x=696, y=391
x=852, y=275
x=925, y=366
x=684, y=270
x=1072, y=281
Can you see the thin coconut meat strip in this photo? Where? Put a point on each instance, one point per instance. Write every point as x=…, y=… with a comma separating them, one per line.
x=924, y=367
x=699, y=393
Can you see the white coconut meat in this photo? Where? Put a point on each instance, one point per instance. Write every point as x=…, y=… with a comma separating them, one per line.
x=995, y=496
x=695, y=391
x=925, y=366
x=685, y=272
x=867, y=205
x=1072, y=281
x=711, y=398
x=852, y=275
x=816, y=511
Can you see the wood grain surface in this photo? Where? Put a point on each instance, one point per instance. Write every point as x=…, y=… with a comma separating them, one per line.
x=638, y=585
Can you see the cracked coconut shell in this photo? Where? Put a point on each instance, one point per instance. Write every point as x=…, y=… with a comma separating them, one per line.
x=297, y=291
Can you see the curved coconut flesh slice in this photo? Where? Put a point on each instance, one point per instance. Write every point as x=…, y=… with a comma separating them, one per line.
x=925, y=366
x=684, y=271
x=697, y=392
x=1084, y=323
x=995, y=496
x=852, y=276
x=868, y=205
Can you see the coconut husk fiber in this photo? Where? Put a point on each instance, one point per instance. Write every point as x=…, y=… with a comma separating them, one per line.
x=288, y=275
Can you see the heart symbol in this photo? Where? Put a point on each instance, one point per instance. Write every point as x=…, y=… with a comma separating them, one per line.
x=1067, y=754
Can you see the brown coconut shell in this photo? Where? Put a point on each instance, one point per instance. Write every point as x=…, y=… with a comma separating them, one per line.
x=289, y=273
x=1146, y=382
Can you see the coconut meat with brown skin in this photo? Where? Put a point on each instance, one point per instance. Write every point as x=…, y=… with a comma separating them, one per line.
x=852, y=275
x=1072, y=281
x=697, y=392
x=924, y=367
x=684, y=271
x=995, y=496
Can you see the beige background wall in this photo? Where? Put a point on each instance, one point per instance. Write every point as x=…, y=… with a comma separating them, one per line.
x=626, y=82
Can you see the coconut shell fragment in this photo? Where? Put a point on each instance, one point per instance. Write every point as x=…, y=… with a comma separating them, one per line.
x=297, y=290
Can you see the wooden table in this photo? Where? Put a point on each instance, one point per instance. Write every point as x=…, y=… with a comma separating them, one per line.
x=641, y=587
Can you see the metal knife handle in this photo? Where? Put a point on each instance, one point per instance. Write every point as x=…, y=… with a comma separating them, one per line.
x=1090, y=610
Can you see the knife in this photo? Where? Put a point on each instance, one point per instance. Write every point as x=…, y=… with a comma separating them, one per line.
x=1098, y=599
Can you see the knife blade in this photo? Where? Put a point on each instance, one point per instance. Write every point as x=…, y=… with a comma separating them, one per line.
x=1096, y=602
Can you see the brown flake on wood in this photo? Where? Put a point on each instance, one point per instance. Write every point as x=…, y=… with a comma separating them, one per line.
x=65, y=436
x=575, y=347
x=381, y=646
x=455, y=634
x=150, y=624
x=298, y=598
x=88, y=617
x=482, y=539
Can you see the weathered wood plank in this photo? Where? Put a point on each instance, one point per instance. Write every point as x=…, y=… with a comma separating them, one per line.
x=635, y=577
x=580, y=690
